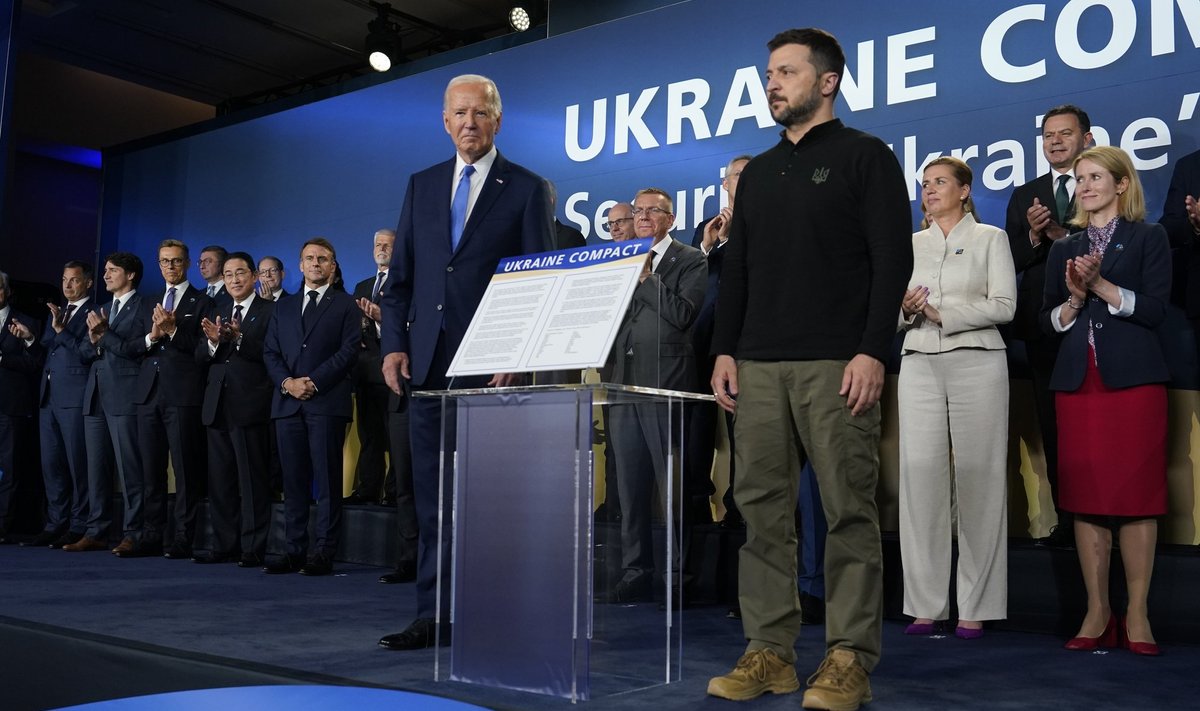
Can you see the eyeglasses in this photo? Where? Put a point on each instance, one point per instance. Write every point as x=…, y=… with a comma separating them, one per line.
x=651, y=211
x=609, y=225
x=237, y=273
x=173, y=262
x=270, y=271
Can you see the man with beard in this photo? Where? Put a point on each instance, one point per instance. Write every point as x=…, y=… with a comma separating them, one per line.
x=372, y=473
x=818, y=259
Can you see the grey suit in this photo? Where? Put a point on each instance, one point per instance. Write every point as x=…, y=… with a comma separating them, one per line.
x=653, y=348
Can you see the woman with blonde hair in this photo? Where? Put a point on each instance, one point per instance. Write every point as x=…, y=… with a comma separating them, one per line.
x=953, y=395
x=1106, y=291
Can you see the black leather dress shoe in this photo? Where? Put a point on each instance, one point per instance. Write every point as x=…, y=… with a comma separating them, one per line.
x=1062, y=537
x=66, y=539
x=387, y=501
x=251, y=560
x=404, y=573
x=318, y=564
x=43, y=539
x=628, y=591
x=209, y=558
x=286, y=564
x=178, y=551
x=419, y=635
x=732, y=522
x=356, y=499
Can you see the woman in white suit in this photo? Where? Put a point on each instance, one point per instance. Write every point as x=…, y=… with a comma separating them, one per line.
x=953, y=401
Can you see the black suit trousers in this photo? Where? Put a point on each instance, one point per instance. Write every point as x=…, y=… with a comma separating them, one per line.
x=425, y=430
x=174, y=430
x=310, y=451
x=239, y=488
x=371, y=406
x=407, y=528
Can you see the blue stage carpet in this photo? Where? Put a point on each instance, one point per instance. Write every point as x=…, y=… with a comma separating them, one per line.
x=80, y=628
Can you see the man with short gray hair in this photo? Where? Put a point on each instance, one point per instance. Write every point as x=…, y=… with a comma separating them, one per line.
x=459, y=219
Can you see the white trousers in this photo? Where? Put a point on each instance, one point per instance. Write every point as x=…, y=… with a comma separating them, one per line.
x=953, y=450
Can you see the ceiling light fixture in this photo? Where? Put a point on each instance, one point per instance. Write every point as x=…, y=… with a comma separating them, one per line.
x=383, y=40
x=519, y=19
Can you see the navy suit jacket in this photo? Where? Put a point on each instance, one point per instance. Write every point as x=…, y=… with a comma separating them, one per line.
x=18, y=368
x=238, y=369
x=65, y=372
x=432, y=289
x=120, y=351
x=326, y=352
x=1030, y=261
x=1127, y=347
x=170, y=364
x=1185, y=180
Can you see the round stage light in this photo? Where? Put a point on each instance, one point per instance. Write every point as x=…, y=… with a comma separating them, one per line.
x=379, y=61
x=518, y=19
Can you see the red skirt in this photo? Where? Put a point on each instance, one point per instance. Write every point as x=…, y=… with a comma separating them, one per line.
x=1112, y=448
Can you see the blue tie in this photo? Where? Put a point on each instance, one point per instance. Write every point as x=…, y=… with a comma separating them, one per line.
x=458, y=210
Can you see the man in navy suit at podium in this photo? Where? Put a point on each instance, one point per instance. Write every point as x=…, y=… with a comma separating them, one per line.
x=460, y=217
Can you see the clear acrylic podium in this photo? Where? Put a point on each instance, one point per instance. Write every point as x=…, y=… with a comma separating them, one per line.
x=527, y=562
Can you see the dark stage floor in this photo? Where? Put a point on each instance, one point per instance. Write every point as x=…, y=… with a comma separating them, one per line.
x=69, y=623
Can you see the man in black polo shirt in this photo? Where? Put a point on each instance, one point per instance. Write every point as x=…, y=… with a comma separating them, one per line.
x=818, y=259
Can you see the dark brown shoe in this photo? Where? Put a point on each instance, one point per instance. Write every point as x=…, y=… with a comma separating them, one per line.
x=66, y=539
x=124, y=548
x=86, y=544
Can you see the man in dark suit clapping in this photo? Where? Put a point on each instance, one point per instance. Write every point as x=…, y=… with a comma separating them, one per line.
x=170, y=389
x=237, y=413
x=64, y=455
x=370, y=392
x=1037, y=214
x=460, y=217
x=116, y=342
x=312, y=342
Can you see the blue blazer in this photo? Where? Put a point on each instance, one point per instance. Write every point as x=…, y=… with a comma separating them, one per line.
x=65, y=373
x=326, y=352
x=118, y=355
x=433, y=289
x=18, y=368
x=1127, y=348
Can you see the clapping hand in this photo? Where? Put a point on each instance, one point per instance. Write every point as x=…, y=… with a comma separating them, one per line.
x=20, y=330
x=1042, y=224
x=914, y=300
x=57, y=318
x=370, y=309
x=97, y=322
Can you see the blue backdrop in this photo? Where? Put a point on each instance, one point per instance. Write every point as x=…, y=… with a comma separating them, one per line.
x=664, y=98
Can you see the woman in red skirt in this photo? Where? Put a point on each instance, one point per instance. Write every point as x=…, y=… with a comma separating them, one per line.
x=1110, y=297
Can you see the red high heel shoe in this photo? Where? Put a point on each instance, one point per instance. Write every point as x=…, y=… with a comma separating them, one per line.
x=1106, y=640
x=1146, y=649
